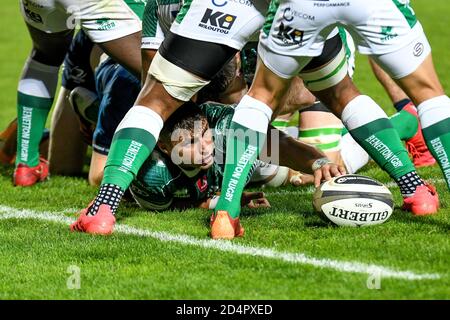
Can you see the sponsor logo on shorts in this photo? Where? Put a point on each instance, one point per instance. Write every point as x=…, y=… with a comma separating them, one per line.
x=418, y=49
x=105, y=24
x=222, y=3
x=387, y=33
x=289, y=36
x=328, y=3
x=217, y=21
x=289, y=15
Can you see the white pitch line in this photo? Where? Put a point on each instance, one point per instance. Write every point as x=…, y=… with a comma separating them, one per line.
x=229, y=246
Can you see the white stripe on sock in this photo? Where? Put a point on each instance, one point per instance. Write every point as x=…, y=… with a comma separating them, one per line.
x=253, y=114
x=142, y=118
x=361, y=111
x=434, y=110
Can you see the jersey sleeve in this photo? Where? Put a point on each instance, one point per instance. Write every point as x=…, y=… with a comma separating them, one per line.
x=152, y=34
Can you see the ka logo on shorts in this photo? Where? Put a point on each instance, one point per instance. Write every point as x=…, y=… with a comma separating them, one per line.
x=217, y=21
x=288, y=35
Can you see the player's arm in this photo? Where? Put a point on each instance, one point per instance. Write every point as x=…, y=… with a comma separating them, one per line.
x=250, y=200
x=286, y=151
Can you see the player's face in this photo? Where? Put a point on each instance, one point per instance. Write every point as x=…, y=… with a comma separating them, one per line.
x=197, y=150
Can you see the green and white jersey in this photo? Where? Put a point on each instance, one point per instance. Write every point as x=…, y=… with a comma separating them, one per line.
x=138, y=7
x=160, y=182
x=158, y=18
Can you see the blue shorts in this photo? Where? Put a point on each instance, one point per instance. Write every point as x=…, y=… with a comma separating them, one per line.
x=117, y=90
x=77, y=71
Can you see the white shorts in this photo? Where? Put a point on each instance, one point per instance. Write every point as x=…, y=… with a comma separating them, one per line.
x=299, y=28
x=102, y=20
x=229, y=22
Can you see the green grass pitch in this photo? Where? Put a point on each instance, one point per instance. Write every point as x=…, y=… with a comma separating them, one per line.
x=287, y=253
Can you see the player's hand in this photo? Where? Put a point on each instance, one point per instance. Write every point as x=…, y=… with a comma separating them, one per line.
x=254, y=200
x=326, y=172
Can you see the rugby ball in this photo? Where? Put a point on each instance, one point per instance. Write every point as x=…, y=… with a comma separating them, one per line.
x=354, y=201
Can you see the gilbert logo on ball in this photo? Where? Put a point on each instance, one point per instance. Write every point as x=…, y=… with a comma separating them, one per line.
x=353, y=200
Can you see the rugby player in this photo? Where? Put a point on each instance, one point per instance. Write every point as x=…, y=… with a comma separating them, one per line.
x=112, y=24
x=174, y=77
x=289, y=41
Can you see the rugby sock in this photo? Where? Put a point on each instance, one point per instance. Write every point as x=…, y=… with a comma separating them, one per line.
x=434, y=117
x=405, y=122
x=280, y=124
x=244, y=143
x=133, y=141
x=399, y=105
x=370, y=127
x=35, y=96
x=109, y=194
x=326, y=139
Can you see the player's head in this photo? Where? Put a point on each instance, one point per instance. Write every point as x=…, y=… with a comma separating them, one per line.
x=186, y=138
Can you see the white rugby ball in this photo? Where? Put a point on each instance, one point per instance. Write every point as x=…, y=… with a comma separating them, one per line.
x=353, y=200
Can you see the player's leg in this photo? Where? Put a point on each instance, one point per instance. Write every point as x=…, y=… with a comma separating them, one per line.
x=366, y=121
x=179, y=70
x=114, y=25
x=117, y=90
x=36, y=92
x=374, y=132
x=96, y=168
x=433, y=106
x=249, y=125
x=406, y=120
x=125, y=51
x=66, y=158
x=319, y=127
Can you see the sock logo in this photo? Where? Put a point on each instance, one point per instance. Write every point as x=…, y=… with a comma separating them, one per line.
x=242, y=163
x=438, y=148
x=130, y=156
x=384, y=151
x=27, y=115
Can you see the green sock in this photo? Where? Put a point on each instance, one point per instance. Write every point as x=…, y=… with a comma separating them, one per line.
x=134, y=140
x=280, y=124
x=370, y=127
x=382, y=142
x=243, y=148
x=437, y=137
x=129, y=150
x=405, y=123
x=32, y=114
x=434, y=117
